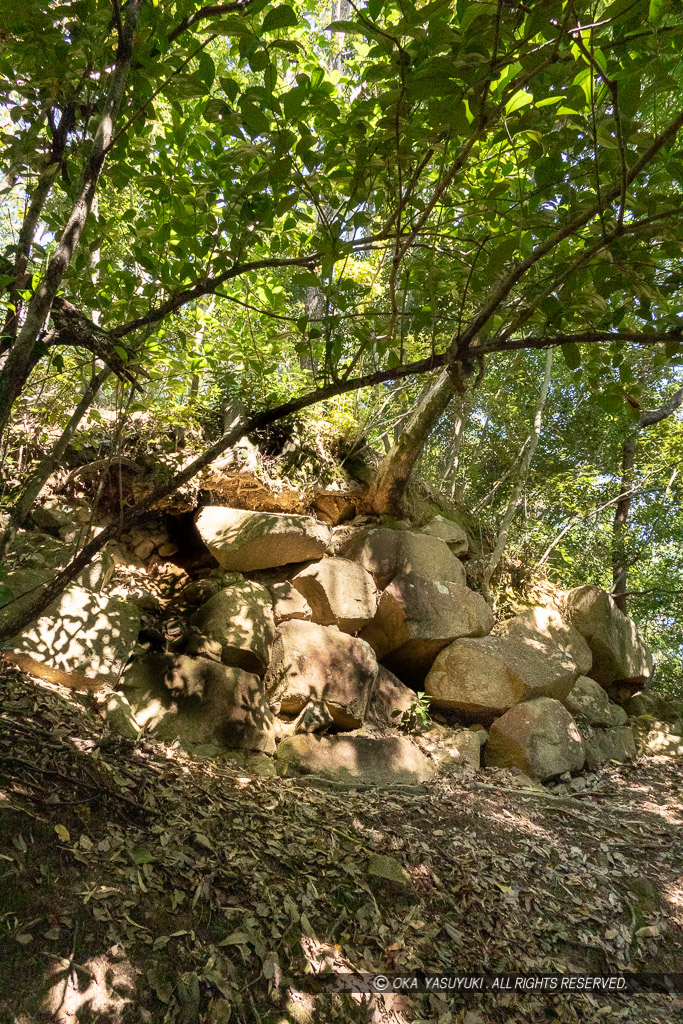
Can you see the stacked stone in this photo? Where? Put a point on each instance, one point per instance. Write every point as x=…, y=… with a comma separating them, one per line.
x=305, y=630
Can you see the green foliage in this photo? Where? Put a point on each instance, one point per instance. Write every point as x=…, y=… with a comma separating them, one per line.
x=417, y=717
x=286, y=202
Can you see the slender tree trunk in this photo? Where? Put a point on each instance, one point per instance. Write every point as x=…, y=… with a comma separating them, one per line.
x=621, y=516
x=386, y=494
x=50, y=462
x=620, y=523
x=26, y=350
x=459, y=422
x=516, y=494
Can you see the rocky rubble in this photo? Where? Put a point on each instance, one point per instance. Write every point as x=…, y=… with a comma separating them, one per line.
x=310, y=642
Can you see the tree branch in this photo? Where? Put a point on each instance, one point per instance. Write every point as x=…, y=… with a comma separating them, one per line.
x=12, y=625
x=74, y=328
x=647, y=419
x=505, y=286
x=210, y=11
x=22, y=355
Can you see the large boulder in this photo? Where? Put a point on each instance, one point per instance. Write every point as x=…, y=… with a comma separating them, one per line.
x=242, y=541
x=340, y=593
x=199, y=702
x=386, y=553
x=288, y=603
x=482, y=678
x=588, y=702
x=619, y=654
x=82, y=639
x=389, y=695
x=664, y=739
x=198, y=592
x=379, y=761
x=417, y=617
x=663, y=706
x=42, y=556
x=240, y=618
x=448, y=531
x=539, y=737
x=548, y=626
x=321, y=664
x=613, y=743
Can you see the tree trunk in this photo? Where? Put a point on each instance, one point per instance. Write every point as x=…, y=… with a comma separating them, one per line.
x=516, y=493
x=26, y=349
x=386, y=494
x=459, y=422
x=620, y=524
x=49, y=463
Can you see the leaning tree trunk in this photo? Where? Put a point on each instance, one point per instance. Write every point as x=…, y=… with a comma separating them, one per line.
x=49, y=463
x=26, y=349
x=620, y=524
x=386, y=494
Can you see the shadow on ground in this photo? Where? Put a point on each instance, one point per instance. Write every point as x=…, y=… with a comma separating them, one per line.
x=139, y=885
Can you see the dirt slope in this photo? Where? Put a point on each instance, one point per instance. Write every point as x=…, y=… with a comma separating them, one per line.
x=141, y=886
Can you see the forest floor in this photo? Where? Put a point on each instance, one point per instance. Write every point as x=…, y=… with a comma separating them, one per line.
x=140, y=885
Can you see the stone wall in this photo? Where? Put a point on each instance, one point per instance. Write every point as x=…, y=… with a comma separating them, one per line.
x=311, y=642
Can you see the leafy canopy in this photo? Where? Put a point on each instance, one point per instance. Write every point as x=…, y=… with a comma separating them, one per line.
x=439, y=173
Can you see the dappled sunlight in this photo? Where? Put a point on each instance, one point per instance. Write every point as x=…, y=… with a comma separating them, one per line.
x=341, y=435
x=98, y=986
x=84, y=641
x=198, y=868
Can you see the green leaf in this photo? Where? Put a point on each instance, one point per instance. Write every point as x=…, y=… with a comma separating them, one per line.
x=142, y=856
x=203, y=840
x=232, y=25
x=288, y=45
x=293, y=101
x=279, y=17
x=158, y=980
x=259, y=60
x=572, y=355
x=520, y=99
x=229, y=87
x=253, y=117
x=609, y=401
x=305, y=279
x=549, y=101
x=347, y=26
x=500, y=256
